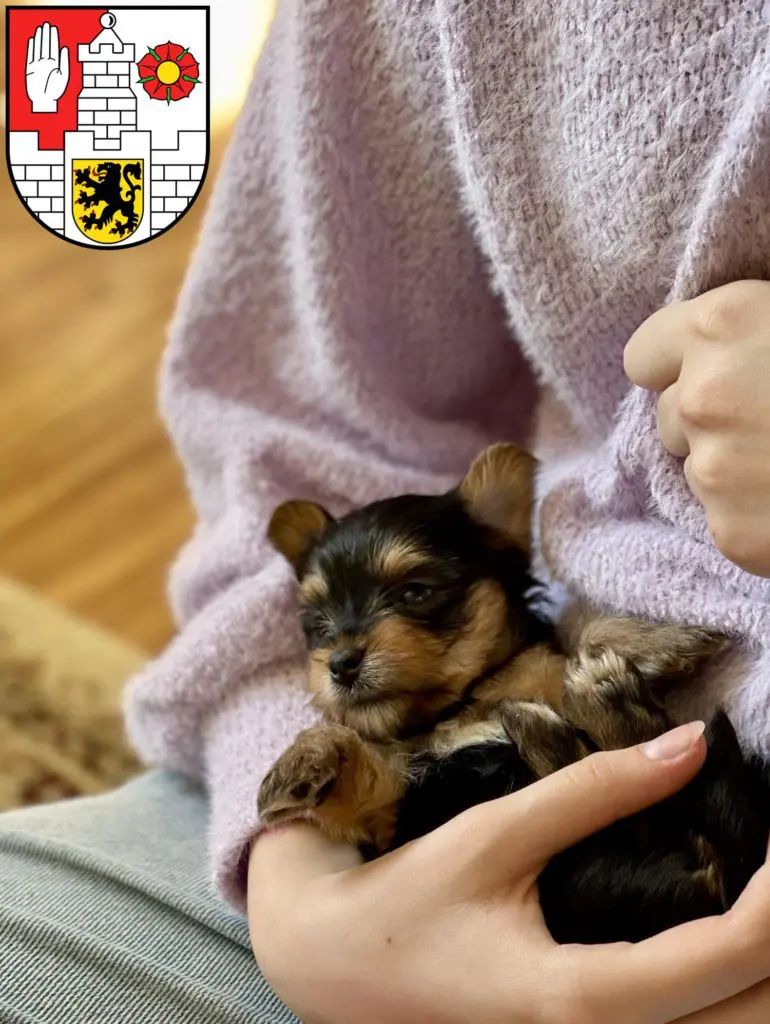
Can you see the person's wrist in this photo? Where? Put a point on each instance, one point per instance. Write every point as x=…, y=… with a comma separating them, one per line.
x=44, y=105
x=294, y=848
x=288, y=908
x=285, y=868
x=269, y=910
x=267, y=859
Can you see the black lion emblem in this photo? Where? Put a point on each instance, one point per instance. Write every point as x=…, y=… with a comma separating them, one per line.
x=106, y=187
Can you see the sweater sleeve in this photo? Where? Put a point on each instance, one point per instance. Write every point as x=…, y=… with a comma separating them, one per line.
x=336, y=339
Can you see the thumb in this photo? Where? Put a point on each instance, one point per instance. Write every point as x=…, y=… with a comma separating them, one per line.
x=64, y=62
x=561, y=809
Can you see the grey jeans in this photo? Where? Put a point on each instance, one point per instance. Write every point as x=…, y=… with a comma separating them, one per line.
x=107, y=915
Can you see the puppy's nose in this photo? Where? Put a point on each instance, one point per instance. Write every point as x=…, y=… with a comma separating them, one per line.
x=344, y=666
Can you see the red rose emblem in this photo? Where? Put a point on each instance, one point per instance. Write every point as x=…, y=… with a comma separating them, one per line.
x=168, y=72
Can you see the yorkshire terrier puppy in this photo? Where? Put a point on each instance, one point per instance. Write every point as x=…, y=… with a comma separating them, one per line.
x=440, y=688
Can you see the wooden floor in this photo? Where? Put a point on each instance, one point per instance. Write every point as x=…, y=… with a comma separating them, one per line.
x=92, y=503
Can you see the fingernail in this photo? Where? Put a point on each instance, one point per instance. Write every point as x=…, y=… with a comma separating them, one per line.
x=674, y=743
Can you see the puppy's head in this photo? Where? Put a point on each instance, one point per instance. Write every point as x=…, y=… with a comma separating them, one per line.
x=407, y=601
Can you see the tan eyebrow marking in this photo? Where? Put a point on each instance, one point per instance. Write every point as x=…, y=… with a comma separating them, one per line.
x=399, y=557
x=314, y=587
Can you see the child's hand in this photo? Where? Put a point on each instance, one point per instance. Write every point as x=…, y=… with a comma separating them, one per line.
x=710, y=359
x=449, y=927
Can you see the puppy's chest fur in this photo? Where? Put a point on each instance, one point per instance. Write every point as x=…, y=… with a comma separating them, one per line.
x=536, y=674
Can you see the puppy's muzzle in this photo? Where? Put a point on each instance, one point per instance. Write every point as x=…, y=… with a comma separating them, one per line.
x=345, y=665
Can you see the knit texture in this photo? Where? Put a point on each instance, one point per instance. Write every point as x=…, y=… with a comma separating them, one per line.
x=437, y=226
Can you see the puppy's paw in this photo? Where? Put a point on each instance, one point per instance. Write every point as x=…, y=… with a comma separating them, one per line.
x=307, y=775
x=607, y=697
x=545, y=741
x=663, y=654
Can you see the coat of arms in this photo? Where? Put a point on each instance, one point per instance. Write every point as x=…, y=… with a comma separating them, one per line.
x=108, y=118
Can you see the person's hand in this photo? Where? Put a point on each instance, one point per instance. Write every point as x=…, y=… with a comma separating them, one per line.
x=710, y=359
x=47, y=70
x=449, y=929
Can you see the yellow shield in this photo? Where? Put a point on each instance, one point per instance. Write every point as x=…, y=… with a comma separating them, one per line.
x=107, y=198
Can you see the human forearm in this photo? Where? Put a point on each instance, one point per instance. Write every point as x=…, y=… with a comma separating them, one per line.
x=750, y=1007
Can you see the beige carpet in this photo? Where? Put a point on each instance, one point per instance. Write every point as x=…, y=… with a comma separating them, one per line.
x=60, y=681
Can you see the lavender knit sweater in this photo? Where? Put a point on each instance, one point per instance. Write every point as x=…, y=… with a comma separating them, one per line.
x=437, y=226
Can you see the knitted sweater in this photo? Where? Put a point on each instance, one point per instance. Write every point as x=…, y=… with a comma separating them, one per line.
x=436, y=227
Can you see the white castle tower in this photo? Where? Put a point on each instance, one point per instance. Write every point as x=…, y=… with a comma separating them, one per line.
x=107, y=120
x=107, y=104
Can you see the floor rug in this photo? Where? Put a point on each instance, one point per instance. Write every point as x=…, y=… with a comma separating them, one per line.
x=61, y=733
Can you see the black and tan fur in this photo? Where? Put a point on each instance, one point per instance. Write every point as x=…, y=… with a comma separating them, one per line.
x=440, y=688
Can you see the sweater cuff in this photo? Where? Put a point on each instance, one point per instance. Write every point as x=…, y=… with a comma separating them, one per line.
x=242, y=740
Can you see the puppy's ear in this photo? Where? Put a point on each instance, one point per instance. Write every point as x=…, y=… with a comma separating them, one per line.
x=498, y=491
x=295, y=527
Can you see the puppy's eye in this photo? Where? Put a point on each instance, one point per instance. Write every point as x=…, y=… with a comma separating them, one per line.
x=414, y=594
x=314, y=625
